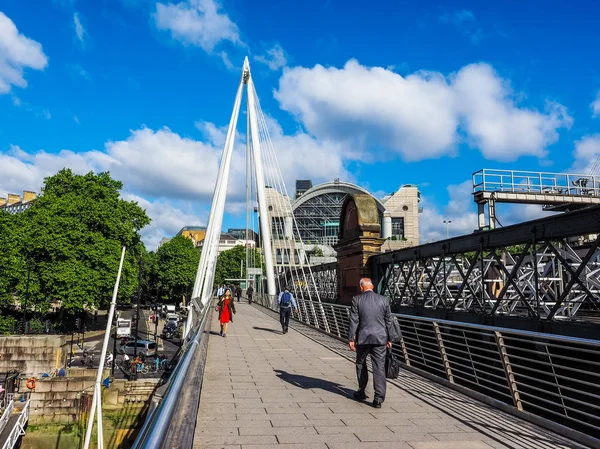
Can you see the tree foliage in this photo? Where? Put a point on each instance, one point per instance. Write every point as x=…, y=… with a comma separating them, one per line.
x=176, y=264
x=230, y=261
x=10, y=257
x=70, y=243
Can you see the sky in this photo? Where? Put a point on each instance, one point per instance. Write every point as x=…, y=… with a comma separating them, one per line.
x=381, y=94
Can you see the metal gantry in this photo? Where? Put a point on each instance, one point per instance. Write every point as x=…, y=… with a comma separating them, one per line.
x=548, y=268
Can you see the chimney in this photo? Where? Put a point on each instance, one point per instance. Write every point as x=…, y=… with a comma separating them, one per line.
x=13, y=198
x=28, y=195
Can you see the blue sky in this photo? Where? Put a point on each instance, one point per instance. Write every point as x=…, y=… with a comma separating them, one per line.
x=380, y=94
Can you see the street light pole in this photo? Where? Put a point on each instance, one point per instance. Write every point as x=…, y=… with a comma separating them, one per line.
x=137, y=313
x=447, y=222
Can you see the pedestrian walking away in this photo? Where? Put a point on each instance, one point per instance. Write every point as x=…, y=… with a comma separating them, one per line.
x=286, y=301
x=226, y=309
x=220, y=291
x=369, y=333
x=250, y=292
x=238, y=293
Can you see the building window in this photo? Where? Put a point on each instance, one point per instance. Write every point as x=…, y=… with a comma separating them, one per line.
x=397, y=228
x=277, y=228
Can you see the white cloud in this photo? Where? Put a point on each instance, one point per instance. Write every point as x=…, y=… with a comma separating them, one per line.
x=196, y=22
x=79, y=30
x=162, y=164
x=419, y=116
x=413, y=116
x=301, y=156
x=175, y=171
x=76, y=119
x=495, y=124
x=460, y=210
x=596, y=106
x=46, y=114
x=17, y=52
x=586, y=154
x=167, y=219
x=274, y=58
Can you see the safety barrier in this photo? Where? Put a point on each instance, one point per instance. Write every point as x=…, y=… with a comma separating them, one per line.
x=160, y=425
x=18, y=429
x=552, y=377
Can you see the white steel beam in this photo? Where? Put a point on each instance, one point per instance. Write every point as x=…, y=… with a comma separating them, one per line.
x=265, y=226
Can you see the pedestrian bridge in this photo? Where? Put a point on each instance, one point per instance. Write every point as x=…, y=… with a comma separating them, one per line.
x=261, y=389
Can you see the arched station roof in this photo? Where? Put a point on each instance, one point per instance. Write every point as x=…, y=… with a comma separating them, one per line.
x=333, y=187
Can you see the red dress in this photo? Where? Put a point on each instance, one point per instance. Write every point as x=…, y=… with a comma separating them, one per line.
x=225, y=317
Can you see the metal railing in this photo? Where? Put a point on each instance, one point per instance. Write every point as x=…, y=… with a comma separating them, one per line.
x=155, y=430
x=514, y=181
x=552, y=377
x=8, y=407
x=19, y=429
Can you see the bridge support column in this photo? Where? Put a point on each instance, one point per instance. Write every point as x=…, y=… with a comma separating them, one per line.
x=481, y=215
x=359, y=240
x=492, y=213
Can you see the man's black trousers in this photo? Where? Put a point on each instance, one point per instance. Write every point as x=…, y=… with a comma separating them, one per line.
x=377, y=353
x=284, y=317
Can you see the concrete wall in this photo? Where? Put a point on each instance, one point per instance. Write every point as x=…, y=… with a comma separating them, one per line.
x=62, y=400
x=59, y=400
x=33, y=355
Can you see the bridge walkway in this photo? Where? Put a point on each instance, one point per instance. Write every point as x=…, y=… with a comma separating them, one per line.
x=266, y=390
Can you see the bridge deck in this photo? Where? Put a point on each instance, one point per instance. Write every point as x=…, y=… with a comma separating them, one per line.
x=265, y=390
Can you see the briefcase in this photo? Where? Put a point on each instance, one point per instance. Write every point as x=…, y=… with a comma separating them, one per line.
x=392, y=366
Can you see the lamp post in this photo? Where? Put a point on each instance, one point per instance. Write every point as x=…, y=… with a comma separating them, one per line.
x=447, y=222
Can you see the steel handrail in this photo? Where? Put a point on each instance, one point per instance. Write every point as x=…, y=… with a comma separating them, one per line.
x=481, y=361
x=154, y=432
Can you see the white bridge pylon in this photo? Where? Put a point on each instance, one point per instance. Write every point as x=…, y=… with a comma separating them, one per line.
x=203, y=285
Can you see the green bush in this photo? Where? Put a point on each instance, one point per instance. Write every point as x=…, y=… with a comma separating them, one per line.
x=7, y=324
x=35, y=326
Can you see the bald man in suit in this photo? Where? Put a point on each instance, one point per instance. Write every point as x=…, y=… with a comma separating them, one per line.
x=369, y=334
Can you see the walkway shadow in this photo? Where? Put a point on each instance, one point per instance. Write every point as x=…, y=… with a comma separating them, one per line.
x=267, y=330
x=307, y=383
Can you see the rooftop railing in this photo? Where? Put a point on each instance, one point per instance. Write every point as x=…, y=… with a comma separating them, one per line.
x=515, y=181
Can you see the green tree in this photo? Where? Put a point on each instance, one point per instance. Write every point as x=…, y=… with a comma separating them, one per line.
x=11, y=259
x=176, y=267
x=72, y=239
x=150, y=285
x=230, y=261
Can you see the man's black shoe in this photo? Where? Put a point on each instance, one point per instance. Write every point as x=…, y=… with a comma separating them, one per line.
x=376, y=404
x=359, y=395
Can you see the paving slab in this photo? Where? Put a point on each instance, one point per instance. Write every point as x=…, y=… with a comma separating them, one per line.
x=263, y=389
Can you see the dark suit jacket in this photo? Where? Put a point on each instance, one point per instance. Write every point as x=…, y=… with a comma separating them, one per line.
x=370, y=319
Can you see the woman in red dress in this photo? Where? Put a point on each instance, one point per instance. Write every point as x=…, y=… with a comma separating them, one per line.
x=226, y=311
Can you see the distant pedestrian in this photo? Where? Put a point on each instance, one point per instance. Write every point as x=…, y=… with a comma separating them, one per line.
x=368, y=334
x=286, y=301
x=250, y=292
x=220, y=291
x=96, y=316
x=226, y=308
x=238, y=293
